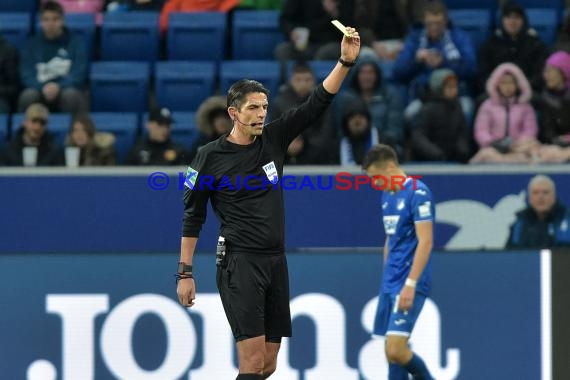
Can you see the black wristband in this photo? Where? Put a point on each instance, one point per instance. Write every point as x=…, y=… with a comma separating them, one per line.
x=183, y=276
x=346, y=63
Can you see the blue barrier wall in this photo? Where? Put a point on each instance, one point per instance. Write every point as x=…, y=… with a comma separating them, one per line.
x=117, y=210
x=115, y=316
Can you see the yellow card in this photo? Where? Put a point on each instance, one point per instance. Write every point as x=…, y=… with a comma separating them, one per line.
x=341, y=27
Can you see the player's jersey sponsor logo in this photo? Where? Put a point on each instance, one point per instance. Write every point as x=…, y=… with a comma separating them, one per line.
x=390, y=223
x=271, y=172
x=191, y=176
x=399, y=322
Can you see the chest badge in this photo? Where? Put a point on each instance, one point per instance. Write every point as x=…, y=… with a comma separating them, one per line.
x=271, y=172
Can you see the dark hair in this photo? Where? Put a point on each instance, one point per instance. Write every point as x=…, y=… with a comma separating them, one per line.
x=379, y=154
x=239, y=90
x=86, y=122
x=301, y=67
x=435, y=8
x=51, y=6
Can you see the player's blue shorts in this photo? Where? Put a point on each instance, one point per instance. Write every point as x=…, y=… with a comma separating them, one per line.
x=390, y=321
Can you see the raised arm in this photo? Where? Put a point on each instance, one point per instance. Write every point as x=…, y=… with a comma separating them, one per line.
x=349, y=50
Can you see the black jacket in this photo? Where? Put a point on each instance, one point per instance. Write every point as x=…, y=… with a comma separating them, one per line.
x=440, y=133
x=147, y=152
x=49, y=153
x=9, y=76
x=528, y=231
x=241, y=181
x=528, y=52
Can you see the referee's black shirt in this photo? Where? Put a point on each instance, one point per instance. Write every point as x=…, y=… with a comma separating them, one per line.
x=251, y=220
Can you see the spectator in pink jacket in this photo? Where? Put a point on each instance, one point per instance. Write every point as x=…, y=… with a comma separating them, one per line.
x=505, y=126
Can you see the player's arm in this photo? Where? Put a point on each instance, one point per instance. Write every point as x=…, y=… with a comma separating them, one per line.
x=386, y=242
x=424, y=233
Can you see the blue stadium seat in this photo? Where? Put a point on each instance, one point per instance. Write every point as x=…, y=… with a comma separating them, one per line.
x=471, y=4
x=15, y=27
x=119, y=86
x=4, y=132
x=83, y=25
x=320, y=68
x=183, y=86
x=476, y=22
x=58, y=125
x=184, y=129
x=130, y=36
x=28, y=6
x=255, y=34
x=552, y=4
x=545, y=22
x=196, y=36
x=266, y=72
x=123, y=125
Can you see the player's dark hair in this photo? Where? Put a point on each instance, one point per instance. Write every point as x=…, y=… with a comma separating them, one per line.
x=239, y=90
x=379, y=154
x=51, y=6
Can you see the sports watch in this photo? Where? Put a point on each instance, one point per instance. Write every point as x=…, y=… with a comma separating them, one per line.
x=184, y=268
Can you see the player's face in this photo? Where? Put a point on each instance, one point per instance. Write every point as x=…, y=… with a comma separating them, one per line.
x=541, y=197
x=251, y=117
x=378, y=171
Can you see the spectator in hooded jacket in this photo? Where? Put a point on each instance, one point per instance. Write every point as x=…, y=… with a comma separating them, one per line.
x=516, y=42
x=382, y=100
x=439, y=129
x=505, y=127
x=53, y=65
x=555, y=109
x=9, y=81
x=213, y=121
x=435, y=45
x=358, y=134
x=33, y=133
x=545, y=222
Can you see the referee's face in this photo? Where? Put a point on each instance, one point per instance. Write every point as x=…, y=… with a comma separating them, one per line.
x=251, y=117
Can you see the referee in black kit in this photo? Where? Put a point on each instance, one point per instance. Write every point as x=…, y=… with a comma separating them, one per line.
x=252, y=274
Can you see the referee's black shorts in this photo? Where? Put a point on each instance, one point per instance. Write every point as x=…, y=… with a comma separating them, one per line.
x=254, y=289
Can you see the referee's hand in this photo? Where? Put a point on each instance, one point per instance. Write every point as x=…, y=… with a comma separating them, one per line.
x=186, y=290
